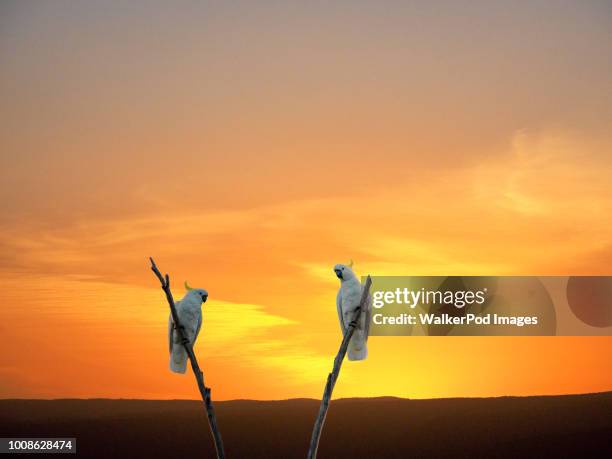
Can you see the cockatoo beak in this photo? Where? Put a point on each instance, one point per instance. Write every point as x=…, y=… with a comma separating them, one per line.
x=338, y=273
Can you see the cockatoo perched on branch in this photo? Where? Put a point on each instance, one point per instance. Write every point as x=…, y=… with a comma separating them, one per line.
x=347, y=302
x=189, y=311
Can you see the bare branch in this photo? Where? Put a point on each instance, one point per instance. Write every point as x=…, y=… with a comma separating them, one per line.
x=204, y=391
x=333, y=376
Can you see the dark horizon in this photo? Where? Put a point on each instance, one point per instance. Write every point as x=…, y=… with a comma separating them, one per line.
x=385, y=427
x=381, y=397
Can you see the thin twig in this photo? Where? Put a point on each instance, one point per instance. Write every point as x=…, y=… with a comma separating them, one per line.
x=204, y=391
x=333, y=376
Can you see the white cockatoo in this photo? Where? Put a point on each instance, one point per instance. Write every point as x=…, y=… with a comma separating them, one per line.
x=347, y=302
x=189, y=311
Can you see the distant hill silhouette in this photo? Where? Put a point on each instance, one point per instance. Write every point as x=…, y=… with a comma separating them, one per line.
x=507, y=427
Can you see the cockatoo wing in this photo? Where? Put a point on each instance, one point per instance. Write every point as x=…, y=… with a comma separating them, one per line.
x=197, y=332
x=178, y=354
x=339, y=307
x=171, y=328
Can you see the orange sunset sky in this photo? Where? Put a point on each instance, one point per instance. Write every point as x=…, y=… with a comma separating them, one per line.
x=250, y=146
